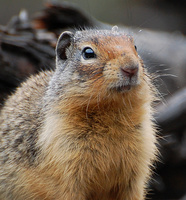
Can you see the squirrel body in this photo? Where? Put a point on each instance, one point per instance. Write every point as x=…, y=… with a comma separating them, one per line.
x=83, y=131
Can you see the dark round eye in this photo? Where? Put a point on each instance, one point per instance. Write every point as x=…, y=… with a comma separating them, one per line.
x=88, y=53
x=135, y=47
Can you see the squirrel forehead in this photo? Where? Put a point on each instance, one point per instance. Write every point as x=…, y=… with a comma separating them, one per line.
x=103, y=38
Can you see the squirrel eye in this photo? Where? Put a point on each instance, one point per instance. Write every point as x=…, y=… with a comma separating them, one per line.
x=135, y=47
x=88, y=53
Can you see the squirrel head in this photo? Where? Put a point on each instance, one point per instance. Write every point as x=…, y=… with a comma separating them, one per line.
x=89, y=62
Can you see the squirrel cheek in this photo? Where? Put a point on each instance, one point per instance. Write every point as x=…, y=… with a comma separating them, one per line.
x=110, y=72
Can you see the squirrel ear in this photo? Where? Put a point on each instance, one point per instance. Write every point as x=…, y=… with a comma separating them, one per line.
x=63, y=43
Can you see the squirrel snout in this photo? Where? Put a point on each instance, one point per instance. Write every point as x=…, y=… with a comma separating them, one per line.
x=129, y=71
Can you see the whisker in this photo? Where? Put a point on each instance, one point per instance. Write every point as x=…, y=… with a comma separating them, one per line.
x=162, y=70
x=165, y=75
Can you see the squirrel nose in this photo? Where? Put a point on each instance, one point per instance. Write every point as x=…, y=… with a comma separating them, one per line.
x=129, y=71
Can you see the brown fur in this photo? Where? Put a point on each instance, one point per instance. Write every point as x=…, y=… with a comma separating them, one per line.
x=90, y=141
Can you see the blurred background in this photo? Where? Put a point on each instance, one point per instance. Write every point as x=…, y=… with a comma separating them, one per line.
x=166, y=15
x=167, y=19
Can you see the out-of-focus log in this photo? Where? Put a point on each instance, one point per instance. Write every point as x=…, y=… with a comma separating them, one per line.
x=57, y=16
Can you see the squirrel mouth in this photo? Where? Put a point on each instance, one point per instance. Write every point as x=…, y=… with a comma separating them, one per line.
x=124, y=85
x=123, y=88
